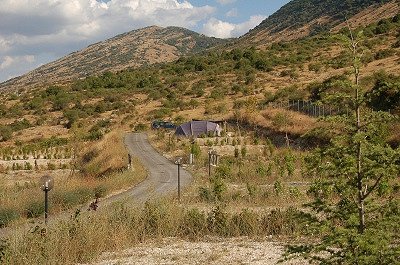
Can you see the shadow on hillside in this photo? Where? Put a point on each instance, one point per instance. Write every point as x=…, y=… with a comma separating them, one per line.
x=297, y=141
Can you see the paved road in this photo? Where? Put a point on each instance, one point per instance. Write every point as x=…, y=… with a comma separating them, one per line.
x=162, y=180
x=163, y=174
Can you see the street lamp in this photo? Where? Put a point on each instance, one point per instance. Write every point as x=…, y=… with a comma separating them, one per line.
x=178, y=162
x=46, y=184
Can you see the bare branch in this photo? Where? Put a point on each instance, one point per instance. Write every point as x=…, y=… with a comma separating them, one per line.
x=373, y=187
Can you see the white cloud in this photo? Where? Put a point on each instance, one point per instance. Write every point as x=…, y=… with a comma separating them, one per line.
x=244, y=27
x=218, y=28
x=58, y=27
x=232, y=13
x=9, y=61
x=221, y=29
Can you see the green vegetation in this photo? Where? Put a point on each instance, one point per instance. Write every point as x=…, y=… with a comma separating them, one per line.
x=353, y=170
x=298, y=13
x=355, y=193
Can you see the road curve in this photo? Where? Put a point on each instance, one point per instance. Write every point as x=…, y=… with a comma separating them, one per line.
x=162, y=180
x=163, y=174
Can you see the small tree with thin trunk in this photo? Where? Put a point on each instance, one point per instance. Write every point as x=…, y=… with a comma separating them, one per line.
x=356, y=207
x=283, y=121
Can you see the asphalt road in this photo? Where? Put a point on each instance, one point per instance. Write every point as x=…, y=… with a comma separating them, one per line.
x=162, y=179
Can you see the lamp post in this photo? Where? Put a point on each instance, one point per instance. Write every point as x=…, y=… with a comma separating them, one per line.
x=191, y=158
x=178, y=162
x=46, y=184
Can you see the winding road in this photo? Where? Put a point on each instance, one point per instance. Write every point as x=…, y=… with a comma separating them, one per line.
x=162, y=179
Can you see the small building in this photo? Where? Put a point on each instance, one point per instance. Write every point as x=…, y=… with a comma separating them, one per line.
x=197, y=128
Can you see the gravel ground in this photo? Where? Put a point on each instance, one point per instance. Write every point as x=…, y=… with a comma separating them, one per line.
x=214, y=251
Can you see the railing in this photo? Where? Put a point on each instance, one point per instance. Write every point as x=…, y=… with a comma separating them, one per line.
x=310, y=108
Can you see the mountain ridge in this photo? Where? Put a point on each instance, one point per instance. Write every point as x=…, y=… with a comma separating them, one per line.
x=153, y=44
x=301, y=18
x=135, y=48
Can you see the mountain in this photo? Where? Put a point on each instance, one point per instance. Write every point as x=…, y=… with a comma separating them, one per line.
x=301, y=18
x=136, y=48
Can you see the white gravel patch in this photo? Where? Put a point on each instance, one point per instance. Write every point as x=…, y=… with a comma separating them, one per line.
x=214, y=251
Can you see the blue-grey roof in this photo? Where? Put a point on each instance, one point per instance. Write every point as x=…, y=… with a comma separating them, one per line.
x=196, y=128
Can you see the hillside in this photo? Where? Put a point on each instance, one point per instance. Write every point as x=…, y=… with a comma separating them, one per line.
x=137, y=48
x=277, y=101
x=214, y=86
x=300, y=18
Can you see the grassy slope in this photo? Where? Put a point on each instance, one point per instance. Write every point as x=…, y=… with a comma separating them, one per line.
x=212, y=86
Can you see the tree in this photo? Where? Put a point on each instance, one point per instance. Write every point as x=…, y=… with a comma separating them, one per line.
x=356, y=207
x=283, y=121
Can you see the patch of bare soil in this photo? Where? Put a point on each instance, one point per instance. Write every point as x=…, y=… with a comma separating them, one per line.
x=214, y=251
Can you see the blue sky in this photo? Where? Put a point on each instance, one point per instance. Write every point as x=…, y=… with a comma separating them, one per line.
x=245, y=8
x=33, y=33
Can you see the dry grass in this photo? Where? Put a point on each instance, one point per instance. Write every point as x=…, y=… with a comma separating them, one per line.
x=83, y=238
x=106, y=156
x=103, y=174
x=299, y=123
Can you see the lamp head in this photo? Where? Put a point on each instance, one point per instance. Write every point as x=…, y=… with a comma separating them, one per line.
x=46, y=183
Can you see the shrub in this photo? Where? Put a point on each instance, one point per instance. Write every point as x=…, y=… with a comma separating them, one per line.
x=34, y=209
x=244, y=224
x=294, y=192
x=278, y=187
x=243, y=151
x=72, y=198
x=100, y=191
x=382, y=54
x=252, y=190
x=7, y=215
x=315, y=67
x=140, y=127
x=218, y=222
x=194, y=224
x=206, y=194
x=218, y=188
x=153, y=217
x=51, y=166
x=5, y=133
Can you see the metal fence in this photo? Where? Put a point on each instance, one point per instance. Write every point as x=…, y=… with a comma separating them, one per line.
x=310, y=108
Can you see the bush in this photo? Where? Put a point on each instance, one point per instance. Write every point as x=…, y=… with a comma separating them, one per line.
x=244, y=224
x=34, y=209
x=100, y=191
x=218, y=222
x=278, y=187
x=140, y=127
x=5, y=133
x=72, y=198
x=206, y=194
x=7, y=216
x=194, y=224
x=382, y=54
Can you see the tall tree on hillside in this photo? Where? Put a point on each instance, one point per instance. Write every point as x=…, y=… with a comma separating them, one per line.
x=356, y=193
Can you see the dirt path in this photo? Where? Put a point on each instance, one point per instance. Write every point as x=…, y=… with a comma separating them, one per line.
x=215, y=251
